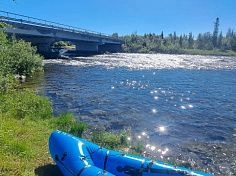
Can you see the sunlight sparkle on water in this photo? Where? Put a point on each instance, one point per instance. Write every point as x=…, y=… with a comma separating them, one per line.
x=154, y=111
x=190, y=106
x=182, y=107
x=156, y=97
x=162, y=129
x=152, y=148
x=163, y=91
x=144, y=133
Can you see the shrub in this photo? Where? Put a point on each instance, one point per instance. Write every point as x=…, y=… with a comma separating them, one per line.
x=18, y=57
x=66, y=122
x=7, y=83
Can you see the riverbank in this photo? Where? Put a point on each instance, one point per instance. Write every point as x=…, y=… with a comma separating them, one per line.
x=26, y=119
x=208, y=52
x=174, y=51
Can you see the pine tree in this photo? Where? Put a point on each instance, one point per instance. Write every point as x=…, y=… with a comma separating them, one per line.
x=190, y=40
x=215, y=32
x=162, y=35
x=220, y=41
x=181, y=41
x=174, y=37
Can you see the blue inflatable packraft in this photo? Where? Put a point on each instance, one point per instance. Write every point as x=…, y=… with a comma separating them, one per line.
x=79, y=157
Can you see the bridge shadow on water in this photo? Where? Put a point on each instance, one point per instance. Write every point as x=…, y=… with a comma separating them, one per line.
x=48, y=170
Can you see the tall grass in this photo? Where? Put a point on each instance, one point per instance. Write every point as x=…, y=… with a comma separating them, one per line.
x=110, y=140
x=66, y=122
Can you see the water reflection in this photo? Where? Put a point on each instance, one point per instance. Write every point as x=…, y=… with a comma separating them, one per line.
x=151, y=150
x=162, y=129
x=156, y=97
x=154, y=111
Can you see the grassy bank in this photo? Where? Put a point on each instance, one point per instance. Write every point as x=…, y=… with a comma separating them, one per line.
x=26, y=119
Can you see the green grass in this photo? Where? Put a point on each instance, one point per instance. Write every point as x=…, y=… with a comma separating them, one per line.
x=23, y=145
x=110, y=140
x=66, y=122
x=25, y=104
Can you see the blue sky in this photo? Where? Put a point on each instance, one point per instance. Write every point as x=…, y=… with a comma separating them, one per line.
x=129, y=16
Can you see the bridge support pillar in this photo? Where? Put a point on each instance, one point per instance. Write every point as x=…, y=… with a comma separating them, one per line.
x=87, y=47
x=45, y=50
x=43, y=47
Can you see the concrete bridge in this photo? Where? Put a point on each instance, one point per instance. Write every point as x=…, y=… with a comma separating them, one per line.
x=44, y=34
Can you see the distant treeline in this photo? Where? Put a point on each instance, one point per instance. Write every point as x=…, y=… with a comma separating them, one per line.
x=172, y=43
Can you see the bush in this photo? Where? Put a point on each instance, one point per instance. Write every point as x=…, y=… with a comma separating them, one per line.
x=25, y=104
x=66, y=122
x=18, y=57
x=7, y=83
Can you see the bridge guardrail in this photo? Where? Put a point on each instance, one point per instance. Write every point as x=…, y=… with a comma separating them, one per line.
x=17, y=18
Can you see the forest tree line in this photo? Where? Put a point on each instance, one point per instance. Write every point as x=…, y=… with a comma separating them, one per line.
x=172, y=43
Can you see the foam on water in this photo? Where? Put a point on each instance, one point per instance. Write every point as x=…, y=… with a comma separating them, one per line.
x=152, y=61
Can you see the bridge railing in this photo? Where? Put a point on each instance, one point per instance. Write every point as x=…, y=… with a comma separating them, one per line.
x=17, y=18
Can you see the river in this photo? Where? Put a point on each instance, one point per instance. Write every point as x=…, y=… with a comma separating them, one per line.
x=182, y=107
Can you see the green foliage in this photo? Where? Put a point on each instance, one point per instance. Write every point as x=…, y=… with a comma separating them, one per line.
x=138, y=148
x=18, y=57
x=66, y=122
x=25, y=104
x=4, y=25
x=109, y=140
x=62, y=44
x=183, y=44
x=7, y=83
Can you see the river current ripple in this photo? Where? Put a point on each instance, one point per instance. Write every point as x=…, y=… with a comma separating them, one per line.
x=181, y=107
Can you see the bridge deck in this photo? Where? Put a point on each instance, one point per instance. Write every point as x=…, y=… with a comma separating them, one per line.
x=21, y=19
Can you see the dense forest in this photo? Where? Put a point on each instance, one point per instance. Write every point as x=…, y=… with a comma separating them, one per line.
x=207, y=43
